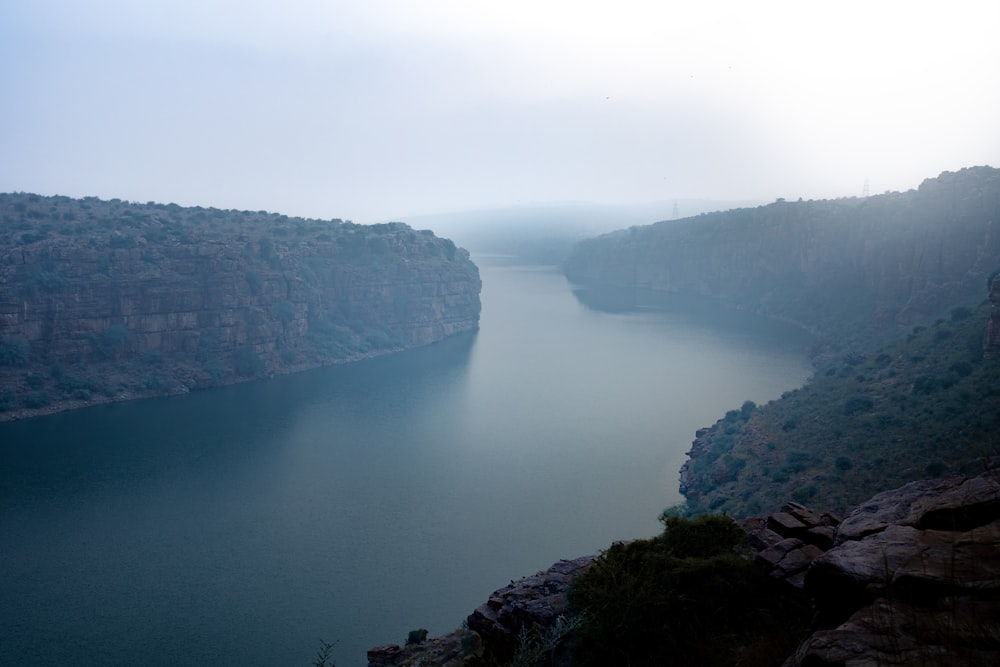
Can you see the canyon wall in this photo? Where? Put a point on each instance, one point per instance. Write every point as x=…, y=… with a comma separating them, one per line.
x=855, y=270
x=107, y=298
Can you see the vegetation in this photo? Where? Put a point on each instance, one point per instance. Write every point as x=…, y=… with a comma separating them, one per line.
x=690, y=596
x=926, y=406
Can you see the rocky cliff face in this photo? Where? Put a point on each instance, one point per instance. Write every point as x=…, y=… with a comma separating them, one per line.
x=914, y=579
x=109, y=298
x=853, y=269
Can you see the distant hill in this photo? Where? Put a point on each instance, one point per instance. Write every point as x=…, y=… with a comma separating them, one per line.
x=858, y=272
x=545, y=233
x=106, y=300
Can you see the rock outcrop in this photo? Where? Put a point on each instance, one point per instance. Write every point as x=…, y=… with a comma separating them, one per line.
x=856, y=271
x=530, y=606
x=103, y=299
x=913, y=579
x=527, y=607
x=787, y=542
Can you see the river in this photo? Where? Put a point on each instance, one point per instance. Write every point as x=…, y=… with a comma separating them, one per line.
x=242, y=525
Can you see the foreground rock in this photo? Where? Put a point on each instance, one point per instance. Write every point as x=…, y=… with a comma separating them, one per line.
x=787, y=542
x=528, y=607
x=914, y=578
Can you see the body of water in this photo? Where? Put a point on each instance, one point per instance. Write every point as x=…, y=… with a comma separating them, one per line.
x=242, y=525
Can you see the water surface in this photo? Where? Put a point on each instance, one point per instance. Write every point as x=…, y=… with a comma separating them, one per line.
x=240, y=526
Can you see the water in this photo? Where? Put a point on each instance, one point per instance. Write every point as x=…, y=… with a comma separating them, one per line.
x=240, y=526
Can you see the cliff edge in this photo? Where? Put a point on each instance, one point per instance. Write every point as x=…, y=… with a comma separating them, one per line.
x=107, y=300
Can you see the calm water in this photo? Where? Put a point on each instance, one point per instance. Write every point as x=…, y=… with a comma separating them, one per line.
x=240, y=526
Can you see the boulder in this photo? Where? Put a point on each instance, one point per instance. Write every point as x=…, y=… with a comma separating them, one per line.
x=530, y=605
x=914, y=578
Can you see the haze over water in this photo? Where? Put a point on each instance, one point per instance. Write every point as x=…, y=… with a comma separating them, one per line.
x=239, y=526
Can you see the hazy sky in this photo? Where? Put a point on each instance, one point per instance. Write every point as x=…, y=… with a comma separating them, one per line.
x=378, y=109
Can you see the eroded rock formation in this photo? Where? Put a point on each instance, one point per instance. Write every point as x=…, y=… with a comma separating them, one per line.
x=913, y=579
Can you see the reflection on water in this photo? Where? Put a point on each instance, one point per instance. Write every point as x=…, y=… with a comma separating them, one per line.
x=239, y=526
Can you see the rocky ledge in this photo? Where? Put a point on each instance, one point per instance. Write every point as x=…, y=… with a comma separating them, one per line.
x=526, y=607
x=913, y=579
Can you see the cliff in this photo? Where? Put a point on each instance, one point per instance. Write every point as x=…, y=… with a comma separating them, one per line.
x=856, y=270
x=102, y=300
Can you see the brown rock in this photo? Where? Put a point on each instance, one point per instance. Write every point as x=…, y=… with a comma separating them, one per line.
x=914, y=579
x=785, y=524
x=531, y=605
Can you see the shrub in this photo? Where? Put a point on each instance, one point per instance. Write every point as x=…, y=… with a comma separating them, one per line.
x=416, y=637
x=935, y=468
x=37, y=399
x=285, y=312
x=247, y=362
x=856, y=405
x=686, y=597
x=111, y=342
x=254, y=281
x=960, y=313
x=215, y=369
x=8, y=400
x=14, y=351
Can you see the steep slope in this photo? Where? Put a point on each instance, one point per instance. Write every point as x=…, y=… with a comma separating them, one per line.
x=856, y=271
x=925, y=406
x=106, y=299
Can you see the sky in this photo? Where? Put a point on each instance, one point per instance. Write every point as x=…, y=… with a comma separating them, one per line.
x=374, y=110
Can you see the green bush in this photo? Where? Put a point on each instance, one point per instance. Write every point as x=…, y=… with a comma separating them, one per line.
x=690, y=596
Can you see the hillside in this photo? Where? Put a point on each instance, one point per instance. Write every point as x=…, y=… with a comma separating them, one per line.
x=858, y=272
x=926, y=406
x=109, y=300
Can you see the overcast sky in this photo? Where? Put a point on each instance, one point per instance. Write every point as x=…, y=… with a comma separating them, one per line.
x=379, y=109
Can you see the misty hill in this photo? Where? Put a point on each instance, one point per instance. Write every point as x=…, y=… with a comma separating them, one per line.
x=104, y=300
x=857, y=271
x=544, y=234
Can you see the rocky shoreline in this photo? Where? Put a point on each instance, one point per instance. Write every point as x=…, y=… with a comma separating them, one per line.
x=912, y=576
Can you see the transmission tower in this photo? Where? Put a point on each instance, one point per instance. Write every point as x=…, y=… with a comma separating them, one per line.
x=864, y=192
